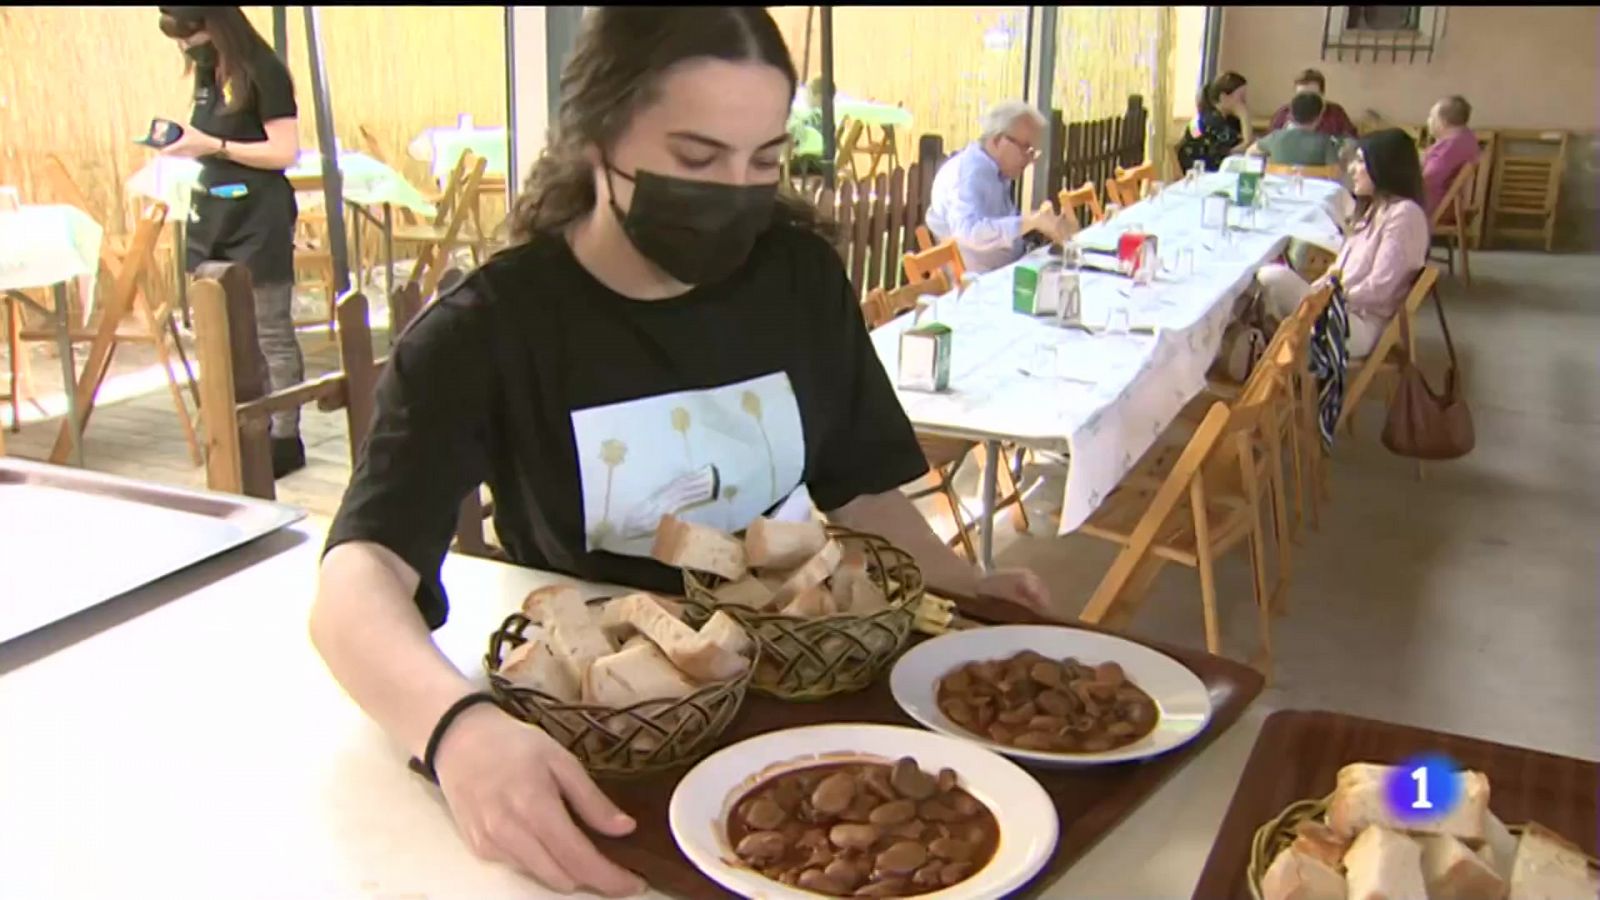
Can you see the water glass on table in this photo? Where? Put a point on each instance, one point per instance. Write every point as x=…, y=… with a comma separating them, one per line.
x=1297, y=180
x=1116, y=317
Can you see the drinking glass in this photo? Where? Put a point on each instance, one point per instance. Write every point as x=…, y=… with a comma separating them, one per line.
x=1297, y=180
x=1196, y=172
x=1185, y=262
x=1111, y=211
x=1116, y=317
x=1155, y=191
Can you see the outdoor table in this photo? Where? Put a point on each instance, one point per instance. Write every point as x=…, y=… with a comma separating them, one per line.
x=442, y=147
x=49, y=246
x=366, y=183
x=1103, y=399
x=808, y=140
x=188, y=740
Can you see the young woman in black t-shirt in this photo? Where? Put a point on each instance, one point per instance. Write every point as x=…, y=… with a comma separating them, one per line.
x=1221, y=124
x=244, y=131
x=669, y=335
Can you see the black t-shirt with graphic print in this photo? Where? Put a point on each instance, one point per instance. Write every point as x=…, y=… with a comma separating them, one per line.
x=590, y=414
x=271, y=97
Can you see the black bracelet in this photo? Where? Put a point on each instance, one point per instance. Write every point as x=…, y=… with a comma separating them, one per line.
x=425, y=767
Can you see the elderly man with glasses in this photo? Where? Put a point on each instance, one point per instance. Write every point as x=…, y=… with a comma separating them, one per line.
x=973, y=192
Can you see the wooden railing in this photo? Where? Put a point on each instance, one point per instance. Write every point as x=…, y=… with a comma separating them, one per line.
x=1091, y=151
x=875, y=222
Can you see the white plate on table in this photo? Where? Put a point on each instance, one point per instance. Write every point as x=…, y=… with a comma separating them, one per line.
x=1183, y=705
x=702, y=801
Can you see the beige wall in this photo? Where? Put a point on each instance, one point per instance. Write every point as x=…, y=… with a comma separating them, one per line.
x=1520, y=66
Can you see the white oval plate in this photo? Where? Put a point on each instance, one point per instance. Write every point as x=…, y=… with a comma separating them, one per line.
x=702, y=800
x=1181, y=699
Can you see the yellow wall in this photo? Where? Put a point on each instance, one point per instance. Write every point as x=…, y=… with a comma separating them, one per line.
x=81, y=82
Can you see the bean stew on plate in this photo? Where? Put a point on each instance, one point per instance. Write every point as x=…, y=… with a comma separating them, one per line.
x=1032, y=702
x=863, y=829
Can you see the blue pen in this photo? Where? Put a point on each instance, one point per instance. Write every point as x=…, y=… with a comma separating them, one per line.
x=230, y=191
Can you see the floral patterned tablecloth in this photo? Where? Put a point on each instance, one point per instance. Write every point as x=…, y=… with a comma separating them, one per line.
x=1105, y=398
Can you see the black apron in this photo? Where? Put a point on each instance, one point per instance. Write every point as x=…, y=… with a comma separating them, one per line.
x=256, y=229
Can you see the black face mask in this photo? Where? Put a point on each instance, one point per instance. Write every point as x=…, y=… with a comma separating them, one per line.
x=203, y=55
x=699, y=232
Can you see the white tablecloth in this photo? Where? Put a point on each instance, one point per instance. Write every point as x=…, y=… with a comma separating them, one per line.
x=1106, y=398
x=42, y=246
x=367, y=182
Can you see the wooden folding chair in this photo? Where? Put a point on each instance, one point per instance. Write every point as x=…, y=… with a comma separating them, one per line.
x=436, y=241
x=1083, y=197
x=1142, y=177
x=129, y=298
x=847, y=140
x=1330, y=172
x=944, y=257
x=1384, y=360
x=1207, y=504
x=925, y=240
x=1451, y=220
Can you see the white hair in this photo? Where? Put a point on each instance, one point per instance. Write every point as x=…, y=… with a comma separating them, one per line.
x=1004, y=114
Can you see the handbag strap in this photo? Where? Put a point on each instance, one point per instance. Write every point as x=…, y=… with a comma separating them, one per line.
x=1444, y=327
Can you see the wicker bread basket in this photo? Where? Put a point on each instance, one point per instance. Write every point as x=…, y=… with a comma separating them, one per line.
x=1279, y=833
x=613, y=742
x=812, y=658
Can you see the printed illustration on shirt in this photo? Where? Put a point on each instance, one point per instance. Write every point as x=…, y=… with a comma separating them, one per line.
x=718, y=457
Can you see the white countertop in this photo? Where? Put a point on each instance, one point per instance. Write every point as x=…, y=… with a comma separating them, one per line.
x=186, y=741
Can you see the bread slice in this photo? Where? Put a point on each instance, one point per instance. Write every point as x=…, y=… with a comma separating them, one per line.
x=748, y=591
x=1499, y=848
x=812, y=603
x=815, y=571
x=769, y=543
x=612, y=616
x=639, y=673
x=1548, y=867
x=575, y=638
x=1452, y=871
x=689, y=546
x=533, y=665
x=697, y=656
x=1384, y=865
x=1359, y=800
x=1298, y=876
x=726, y=633
x=853, y=589
x=1320, y=842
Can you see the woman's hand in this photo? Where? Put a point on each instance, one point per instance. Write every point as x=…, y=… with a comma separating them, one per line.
x=193, y=143
x=1019, y=586
x=509, y=787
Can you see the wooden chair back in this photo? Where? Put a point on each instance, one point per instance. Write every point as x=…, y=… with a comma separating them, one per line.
x=1365, y=371
x=1332, y=172
x=922, y=266
x=924, y=239
x=881, y=306
x=849, y=141
x=434, y=256
x=1451, y=213
x=1083, y=197
x=1139, y=176
x=1526, y=187
x=128, y=275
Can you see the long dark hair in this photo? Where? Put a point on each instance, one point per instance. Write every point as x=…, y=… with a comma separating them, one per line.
x=1391, y=159
x=1226, y=83
x=612, y=73
x=240, y=48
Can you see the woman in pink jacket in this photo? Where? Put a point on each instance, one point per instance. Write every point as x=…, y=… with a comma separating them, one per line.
x=1387, y=242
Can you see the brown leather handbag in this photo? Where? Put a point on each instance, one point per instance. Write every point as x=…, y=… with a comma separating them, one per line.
x=1424, y=424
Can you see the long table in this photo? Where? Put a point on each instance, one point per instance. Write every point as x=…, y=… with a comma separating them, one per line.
x=187, y=741
x=1103, y=399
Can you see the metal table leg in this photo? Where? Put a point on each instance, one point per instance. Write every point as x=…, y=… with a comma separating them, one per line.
x=69, y=373
x=986, y=523
x=180, y=246
x=388, y=250
x=355, y=246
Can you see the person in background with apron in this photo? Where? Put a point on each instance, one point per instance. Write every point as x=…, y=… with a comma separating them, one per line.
x=244, y=132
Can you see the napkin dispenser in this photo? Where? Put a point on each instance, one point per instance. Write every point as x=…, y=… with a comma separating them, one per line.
x=1136, y=253
x=1249, y=186
x=1033, y=286
x=925, y=357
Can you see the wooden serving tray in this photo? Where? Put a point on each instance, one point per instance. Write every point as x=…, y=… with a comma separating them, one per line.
x=1090, y=801
x=1299, y=753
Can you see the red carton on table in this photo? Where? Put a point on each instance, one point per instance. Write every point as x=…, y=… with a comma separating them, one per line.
x=1135, y=250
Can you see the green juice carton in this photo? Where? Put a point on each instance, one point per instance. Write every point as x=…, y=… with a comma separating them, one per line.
x=1245, y=194
x=1025, y=283
x=925, y=357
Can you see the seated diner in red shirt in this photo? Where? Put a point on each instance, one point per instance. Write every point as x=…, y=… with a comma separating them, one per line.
x=1335, y=122
x=1454, y=146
